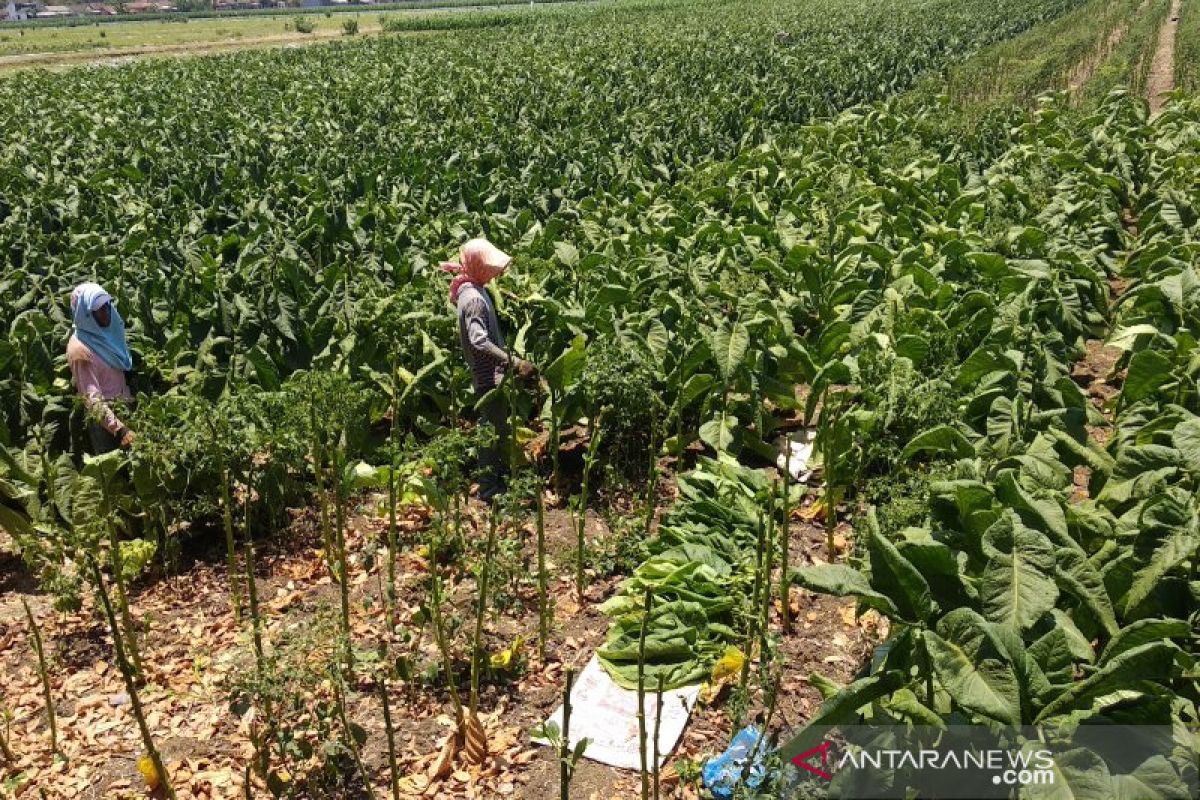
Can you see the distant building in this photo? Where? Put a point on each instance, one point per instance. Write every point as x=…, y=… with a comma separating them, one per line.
x=16, y=12
x=56, y=11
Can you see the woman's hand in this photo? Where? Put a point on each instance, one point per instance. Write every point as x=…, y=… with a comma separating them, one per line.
x=525, y=369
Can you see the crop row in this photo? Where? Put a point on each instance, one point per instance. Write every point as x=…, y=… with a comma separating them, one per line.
x=253, y=230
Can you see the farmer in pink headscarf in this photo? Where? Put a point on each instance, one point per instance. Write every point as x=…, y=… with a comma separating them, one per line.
x=483, y=345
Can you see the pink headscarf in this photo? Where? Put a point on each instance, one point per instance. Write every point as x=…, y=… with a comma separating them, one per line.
x=479, y=262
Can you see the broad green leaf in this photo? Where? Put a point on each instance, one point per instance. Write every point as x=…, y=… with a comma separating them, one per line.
x=566, y=253
x=1018, y=585
x=1152, y=661
x=1083, y=581
x=1142, y=632
x=895, y=576
x=1124, y=338
x=565, y=370
x=1177, y=544
x=729, y=346
x=971, y=668
x=843, y=707
x=842, y=581
x=720, y=432
x=1078, y=775
x=942, y=439
x=1148, y=370
x=1186, y=438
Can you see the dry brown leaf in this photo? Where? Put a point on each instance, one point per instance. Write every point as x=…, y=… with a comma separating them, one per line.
x=476, y=743
x=444, y=763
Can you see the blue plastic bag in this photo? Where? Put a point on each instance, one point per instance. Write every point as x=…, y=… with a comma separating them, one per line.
x=723, y=773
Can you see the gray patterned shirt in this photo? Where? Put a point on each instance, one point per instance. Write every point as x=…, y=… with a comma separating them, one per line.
x=481, y=339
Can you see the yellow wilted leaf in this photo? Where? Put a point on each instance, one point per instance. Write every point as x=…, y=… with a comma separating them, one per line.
x=508, y=656
x=726, y=671
x=145, y=766
x=728, y=665
x=815, y=511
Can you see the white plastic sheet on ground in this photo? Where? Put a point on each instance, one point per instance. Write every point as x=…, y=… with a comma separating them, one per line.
x=607, y=715
x=795, y=453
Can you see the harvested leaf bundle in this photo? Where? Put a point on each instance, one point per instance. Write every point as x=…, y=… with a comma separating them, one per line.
x=706, y=545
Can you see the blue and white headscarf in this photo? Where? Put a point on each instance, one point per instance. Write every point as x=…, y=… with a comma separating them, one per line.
x=108, y=343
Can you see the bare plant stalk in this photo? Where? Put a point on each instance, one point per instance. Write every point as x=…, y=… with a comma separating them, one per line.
x=652, y=478
x=785, y=599
x=255, y=616
x=118, y=566
x=767, y=567
x=264, y=752
x=831, y=493
x=641, y=693
x=595, y=432
x=44, y=673
x=658, y=695
x=485, y=574
x=390, y=595
x=316, y=452
x=339, y=509
x=755, y=610
x=393, y=770
x=392, y=500
x=555, y=442
x=831, y=502
x=127, y=673
x=235, y=591
x=339, y=690
x=772, y=697
x=564, y=746
x=543, y=593
x=439, y=630
x=10, y=757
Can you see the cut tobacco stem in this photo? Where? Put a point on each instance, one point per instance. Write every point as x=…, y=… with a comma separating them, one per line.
x=785, y=610
x=772, y=697
x=595, y=432
x=439, y=628
x=339, y=689
x=767, y=567
x=264, y=753
x=485, y=573
x=565, y=767
x=393, y=769
x=118, y=567
x=343, y=563
x=755, y=613
x=6, y=737
x=127, y=674
x=255, y=617
x=658, y=703
x=641, y=693
x=544, y=615
x=392, y=501
x=44, y=674
x=652, y=478
x=235, y=592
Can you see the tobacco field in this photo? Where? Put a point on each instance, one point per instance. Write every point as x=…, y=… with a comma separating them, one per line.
x=957, y=243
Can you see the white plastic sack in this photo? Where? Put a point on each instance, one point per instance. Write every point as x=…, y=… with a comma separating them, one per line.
x=795, y=453
x=607, y=715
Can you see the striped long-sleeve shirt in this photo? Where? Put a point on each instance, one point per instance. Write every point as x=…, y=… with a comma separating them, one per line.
x=481, y=338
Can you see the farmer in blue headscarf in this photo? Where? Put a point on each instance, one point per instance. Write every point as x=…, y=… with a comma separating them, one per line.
x=99, y=358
